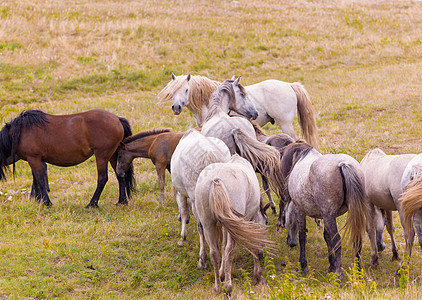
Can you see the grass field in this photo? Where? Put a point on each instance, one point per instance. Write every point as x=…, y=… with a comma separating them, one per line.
x=359, y=60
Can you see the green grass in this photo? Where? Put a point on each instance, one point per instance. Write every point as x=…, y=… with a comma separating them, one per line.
x=360, y=63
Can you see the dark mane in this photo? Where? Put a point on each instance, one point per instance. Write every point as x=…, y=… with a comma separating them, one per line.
x=9, y=144
x=144, y=133
x=291, y=154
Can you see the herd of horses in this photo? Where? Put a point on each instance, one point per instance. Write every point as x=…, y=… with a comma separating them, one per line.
x=213, y=170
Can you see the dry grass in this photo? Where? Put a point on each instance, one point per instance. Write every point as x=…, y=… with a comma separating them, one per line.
x=359, y=60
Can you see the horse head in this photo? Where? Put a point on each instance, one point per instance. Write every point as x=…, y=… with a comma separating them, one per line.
x=242, y=103
x=181, y=95
x=124, y=160
x=291, y=224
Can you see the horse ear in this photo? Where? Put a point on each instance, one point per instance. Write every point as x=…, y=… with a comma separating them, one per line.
x=173, y=77
x=236, y=82
x=233, y=78
x=188, y=78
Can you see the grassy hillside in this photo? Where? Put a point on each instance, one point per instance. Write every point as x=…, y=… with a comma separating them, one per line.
x=359, y=60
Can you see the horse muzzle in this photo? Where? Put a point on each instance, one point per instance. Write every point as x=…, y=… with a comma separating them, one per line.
x=177, y=109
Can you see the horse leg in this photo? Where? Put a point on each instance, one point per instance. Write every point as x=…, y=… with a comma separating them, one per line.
x=281, y=221
x=391, y=229
x=224, y=234
x=161, y=173
x=101, y=181
x=210, y=233
x=266, y=187
x=182, y=201
x=227, y=262
x=370, y=229
x=35, y=192
x=121, y=180
x=301, y=222
x=333, y=239
x=39, y=174
x=286, y=127
x=380, y=224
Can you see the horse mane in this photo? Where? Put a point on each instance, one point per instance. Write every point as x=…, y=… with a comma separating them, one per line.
x=200, y=90
x=291, y=154
x=215, y=100
x=258, y=129
x=9, y=145
x=143, y=134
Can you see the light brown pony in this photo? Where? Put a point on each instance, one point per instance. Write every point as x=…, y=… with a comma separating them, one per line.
x=157, y=145
x=66, y=140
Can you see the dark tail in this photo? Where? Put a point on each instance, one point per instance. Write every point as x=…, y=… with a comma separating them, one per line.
x=354, y=189
x=129, y=175
x=5, y=150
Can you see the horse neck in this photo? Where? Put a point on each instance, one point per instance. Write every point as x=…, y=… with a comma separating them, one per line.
x=218, y=105
x=140, y=148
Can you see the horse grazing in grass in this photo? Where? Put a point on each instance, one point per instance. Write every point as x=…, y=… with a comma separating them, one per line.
x=193, y=153
x=66, y=140
x=157, y=145
x=275, y=101
x=228, y=194
x=325, y=186
x=383, y=180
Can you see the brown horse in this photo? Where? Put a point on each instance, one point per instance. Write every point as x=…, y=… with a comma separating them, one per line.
x=66, y=140
x=157, y=145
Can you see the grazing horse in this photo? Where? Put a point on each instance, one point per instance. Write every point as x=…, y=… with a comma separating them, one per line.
x=228, y=194
x=383, y=181
x=66, y=140
x=193, y=153
x=325, y=186
x=274, y=100
x=157, y=145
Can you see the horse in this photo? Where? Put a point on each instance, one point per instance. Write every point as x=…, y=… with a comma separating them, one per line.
x=228, y=193
x=193, y=153
x=275, y=101
x=383, y=181
x=66, y=140
x=325, y=186
x=411, y=204
x=157, y=145
x=231, y=95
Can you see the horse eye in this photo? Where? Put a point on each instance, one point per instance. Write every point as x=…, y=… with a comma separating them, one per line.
x=186, y=91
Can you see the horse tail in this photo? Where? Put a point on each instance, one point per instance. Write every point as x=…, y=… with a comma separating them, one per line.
x=129, y=174
x=306, y=114
x=355, y=195
x=246, y=232
x=411, y=201
x=264, y=158
x=5, y=149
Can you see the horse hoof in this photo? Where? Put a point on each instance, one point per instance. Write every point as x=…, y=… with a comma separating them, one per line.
x=395, y=257
x=92, y=205
x=202, y=264
x=181, y=243
x=122, y=203
x=48, y=204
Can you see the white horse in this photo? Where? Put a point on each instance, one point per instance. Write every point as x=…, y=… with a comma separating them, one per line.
x=228, y=194
x=384, y=175
x=275, y=101
x=193, y=153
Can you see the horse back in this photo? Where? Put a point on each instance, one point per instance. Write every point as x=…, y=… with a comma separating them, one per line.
x=67, y=140
x=383, y=175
